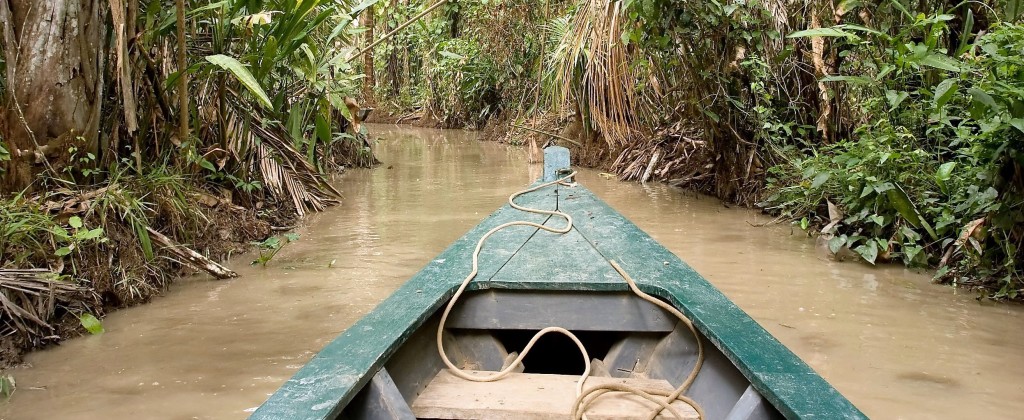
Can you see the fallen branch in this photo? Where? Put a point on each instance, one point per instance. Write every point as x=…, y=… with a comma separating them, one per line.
x=193, y=258
x=650, y=166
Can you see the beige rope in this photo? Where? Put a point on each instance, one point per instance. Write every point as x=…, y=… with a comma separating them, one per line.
x=476, y=259
x=583, y=399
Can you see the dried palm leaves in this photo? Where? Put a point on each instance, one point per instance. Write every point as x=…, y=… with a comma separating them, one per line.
x=589, y=70
x=283, y=170
x=29, y=299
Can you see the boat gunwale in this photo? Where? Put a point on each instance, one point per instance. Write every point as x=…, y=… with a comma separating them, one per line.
x=336, y=374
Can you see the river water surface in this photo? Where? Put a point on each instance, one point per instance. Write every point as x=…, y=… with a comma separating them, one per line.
x=894, y=344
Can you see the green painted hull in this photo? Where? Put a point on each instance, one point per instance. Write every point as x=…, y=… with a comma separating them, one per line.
x=527, y=259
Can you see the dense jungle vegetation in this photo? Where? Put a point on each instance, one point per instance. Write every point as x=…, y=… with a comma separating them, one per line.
x=892, y=129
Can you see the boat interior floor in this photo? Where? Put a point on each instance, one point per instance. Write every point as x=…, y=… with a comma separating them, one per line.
x=534, y=396
x=629, y=341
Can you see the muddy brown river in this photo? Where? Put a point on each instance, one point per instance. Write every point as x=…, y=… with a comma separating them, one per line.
x=892, y=342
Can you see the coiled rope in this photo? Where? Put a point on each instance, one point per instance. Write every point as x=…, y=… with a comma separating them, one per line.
x=584, y=399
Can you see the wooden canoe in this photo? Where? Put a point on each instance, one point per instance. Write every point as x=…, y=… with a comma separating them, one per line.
x=387, y=365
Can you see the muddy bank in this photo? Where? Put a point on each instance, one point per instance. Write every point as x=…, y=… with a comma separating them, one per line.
x=102, y=249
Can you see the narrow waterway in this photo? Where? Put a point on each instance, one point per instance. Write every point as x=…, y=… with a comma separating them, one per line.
x=896, y=345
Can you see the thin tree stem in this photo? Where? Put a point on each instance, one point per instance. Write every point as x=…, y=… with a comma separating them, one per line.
x=182, y=76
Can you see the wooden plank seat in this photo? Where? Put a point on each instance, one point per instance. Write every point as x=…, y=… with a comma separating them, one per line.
x=531, y=396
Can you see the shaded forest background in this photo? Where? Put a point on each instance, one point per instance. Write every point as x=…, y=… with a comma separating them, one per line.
x=892, y=130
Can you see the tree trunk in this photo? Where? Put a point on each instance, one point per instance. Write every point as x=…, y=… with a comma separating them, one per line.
x=53, y=50
x=392, y=68
x=369, y=82
x=183, y=76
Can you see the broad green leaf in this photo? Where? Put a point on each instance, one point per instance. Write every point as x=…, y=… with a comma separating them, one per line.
x=323, y=128
x=311, y=58
x=271, y=243
x=242, y=74
x=62, y=251
x=886, y=69
x=836, y=243
x=363, y=6
x=883, y=244
x=895, y=98
x=207, y=165
x=868, y=251
x=823, y=32
x=944, y=92
x=943, y=174
x=864, y=29
x=269, y=56
x=983, y=97
x=876, y=219
x=1018, y=123
x=856, y=80
x=820, y=179
x=867, y=190
x=901, y=202
x=941, y=61
x=968, y=25
x=339, y=28
x=899, y=6
x=7, y=385
x=75, y=222
x=885, y=157
x=714, y=117
x=911, y=252
x=882, y=187
x=91, y=324
x=87, y=235
x=452, y=55
x=906, y=208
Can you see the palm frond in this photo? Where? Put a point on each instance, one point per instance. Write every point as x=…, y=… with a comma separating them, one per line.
x=30, y=297
x=590, y=69
x=283, y=170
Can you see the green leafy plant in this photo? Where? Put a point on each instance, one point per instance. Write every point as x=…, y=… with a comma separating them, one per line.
x=933, y=175
x=268, y=248
x=463, y=84
x=91, y=324
x=79, y=235
x=5, y=155
x=26, y=233
x=85, y=162
x=7, y=385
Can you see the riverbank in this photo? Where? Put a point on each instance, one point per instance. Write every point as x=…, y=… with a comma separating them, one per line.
x=884, y=336
x=100, y=248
